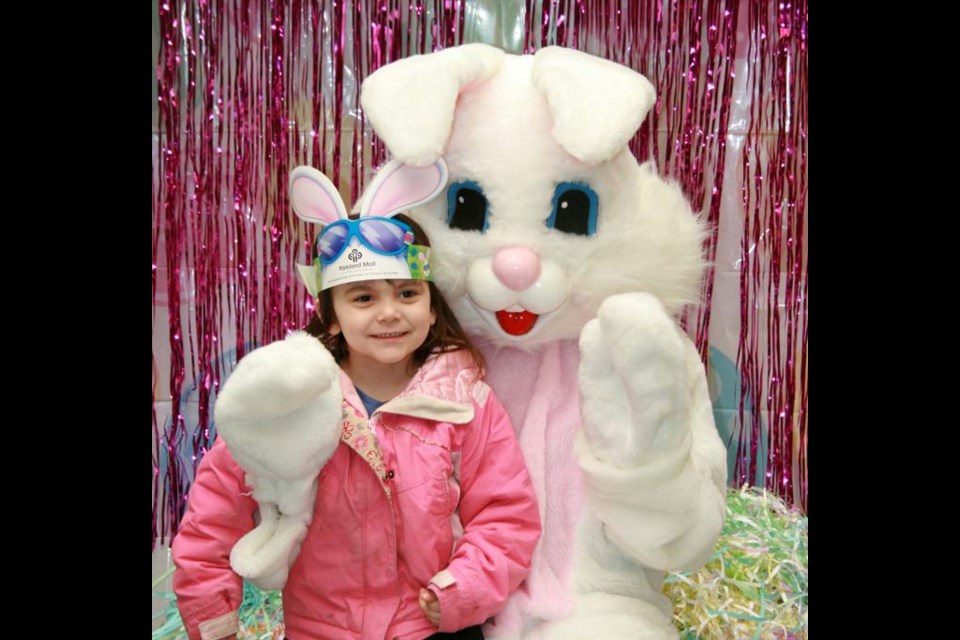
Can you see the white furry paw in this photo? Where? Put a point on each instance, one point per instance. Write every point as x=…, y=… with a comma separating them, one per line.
x=265, y=560
x=633, y=380
x=244, y=555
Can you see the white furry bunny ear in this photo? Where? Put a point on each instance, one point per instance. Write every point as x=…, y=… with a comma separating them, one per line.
x=398, y=187
x=411, y=101
x=597, y=105
x=314, y=198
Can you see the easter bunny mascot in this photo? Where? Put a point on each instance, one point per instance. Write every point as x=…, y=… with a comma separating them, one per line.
x=567, y=263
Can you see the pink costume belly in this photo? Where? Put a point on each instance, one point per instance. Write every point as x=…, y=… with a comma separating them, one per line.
x=541, y=394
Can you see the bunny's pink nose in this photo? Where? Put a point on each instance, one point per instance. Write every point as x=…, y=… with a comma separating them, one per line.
x=516, y=267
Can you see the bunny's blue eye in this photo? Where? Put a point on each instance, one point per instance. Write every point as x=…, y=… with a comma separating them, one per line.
x=574, y=209
x=466, y=207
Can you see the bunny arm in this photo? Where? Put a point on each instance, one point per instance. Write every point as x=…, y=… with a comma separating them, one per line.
x=652, y=461
x=279, y=412
x=280, y=415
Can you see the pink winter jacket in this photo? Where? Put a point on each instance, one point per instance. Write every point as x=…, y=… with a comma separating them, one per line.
x=438, y=497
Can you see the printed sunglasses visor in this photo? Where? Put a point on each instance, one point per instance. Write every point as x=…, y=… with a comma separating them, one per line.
x=383, y=235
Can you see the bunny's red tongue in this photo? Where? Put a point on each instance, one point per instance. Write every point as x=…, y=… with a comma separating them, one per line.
x=516, y=323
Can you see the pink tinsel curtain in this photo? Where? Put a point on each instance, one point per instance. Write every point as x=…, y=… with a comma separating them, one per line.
x=248, y=89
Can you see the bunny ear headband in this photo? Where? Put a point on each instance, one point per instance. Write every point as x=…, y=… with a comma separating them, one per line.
x=373, y=246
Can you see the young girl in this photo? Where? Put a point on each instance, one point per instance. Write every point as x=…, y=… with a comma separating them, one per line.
x=425, y=519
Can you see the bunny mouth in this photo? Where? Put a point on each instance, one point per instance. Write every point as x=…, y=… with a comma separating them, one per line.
x=516, y=323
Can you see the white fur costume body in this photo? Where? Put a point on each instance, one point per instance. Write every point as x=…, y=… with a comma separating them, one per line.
x=607, y=394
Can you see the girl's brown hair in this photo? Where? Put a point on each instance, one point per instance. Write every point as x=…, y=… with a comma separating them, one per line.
x=445, y=334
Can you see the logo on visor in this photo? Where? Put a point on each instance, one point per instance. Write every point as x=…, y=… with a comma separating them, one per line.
x=355, y=255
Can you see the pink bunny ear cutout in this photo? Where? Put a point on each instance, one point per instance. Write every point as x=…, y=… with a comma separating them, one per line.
x=314, y=198
x=398, y=187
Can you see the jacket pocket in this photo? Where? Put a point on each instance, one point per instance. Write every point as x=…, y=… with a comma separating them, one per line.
x=426, y=528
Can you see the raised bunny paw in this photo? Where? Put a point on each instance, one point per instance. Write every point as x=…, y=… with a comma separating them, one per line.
x=633, y=379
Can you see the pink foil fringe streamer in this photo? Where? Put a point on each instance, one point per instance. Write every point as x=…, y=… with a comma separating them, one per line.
x=247, y=90
x=773, y=285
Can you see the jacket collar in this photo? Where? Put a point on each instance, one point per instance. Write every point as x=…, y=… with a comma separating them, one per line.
x=443, y=389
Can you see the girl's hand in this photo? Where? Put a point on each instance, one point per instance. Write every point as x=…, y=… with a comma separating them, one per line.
x=430, y=606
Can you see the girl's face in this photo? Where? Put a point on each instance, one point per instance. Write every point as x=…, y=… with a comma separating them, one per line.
x=383, y=321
